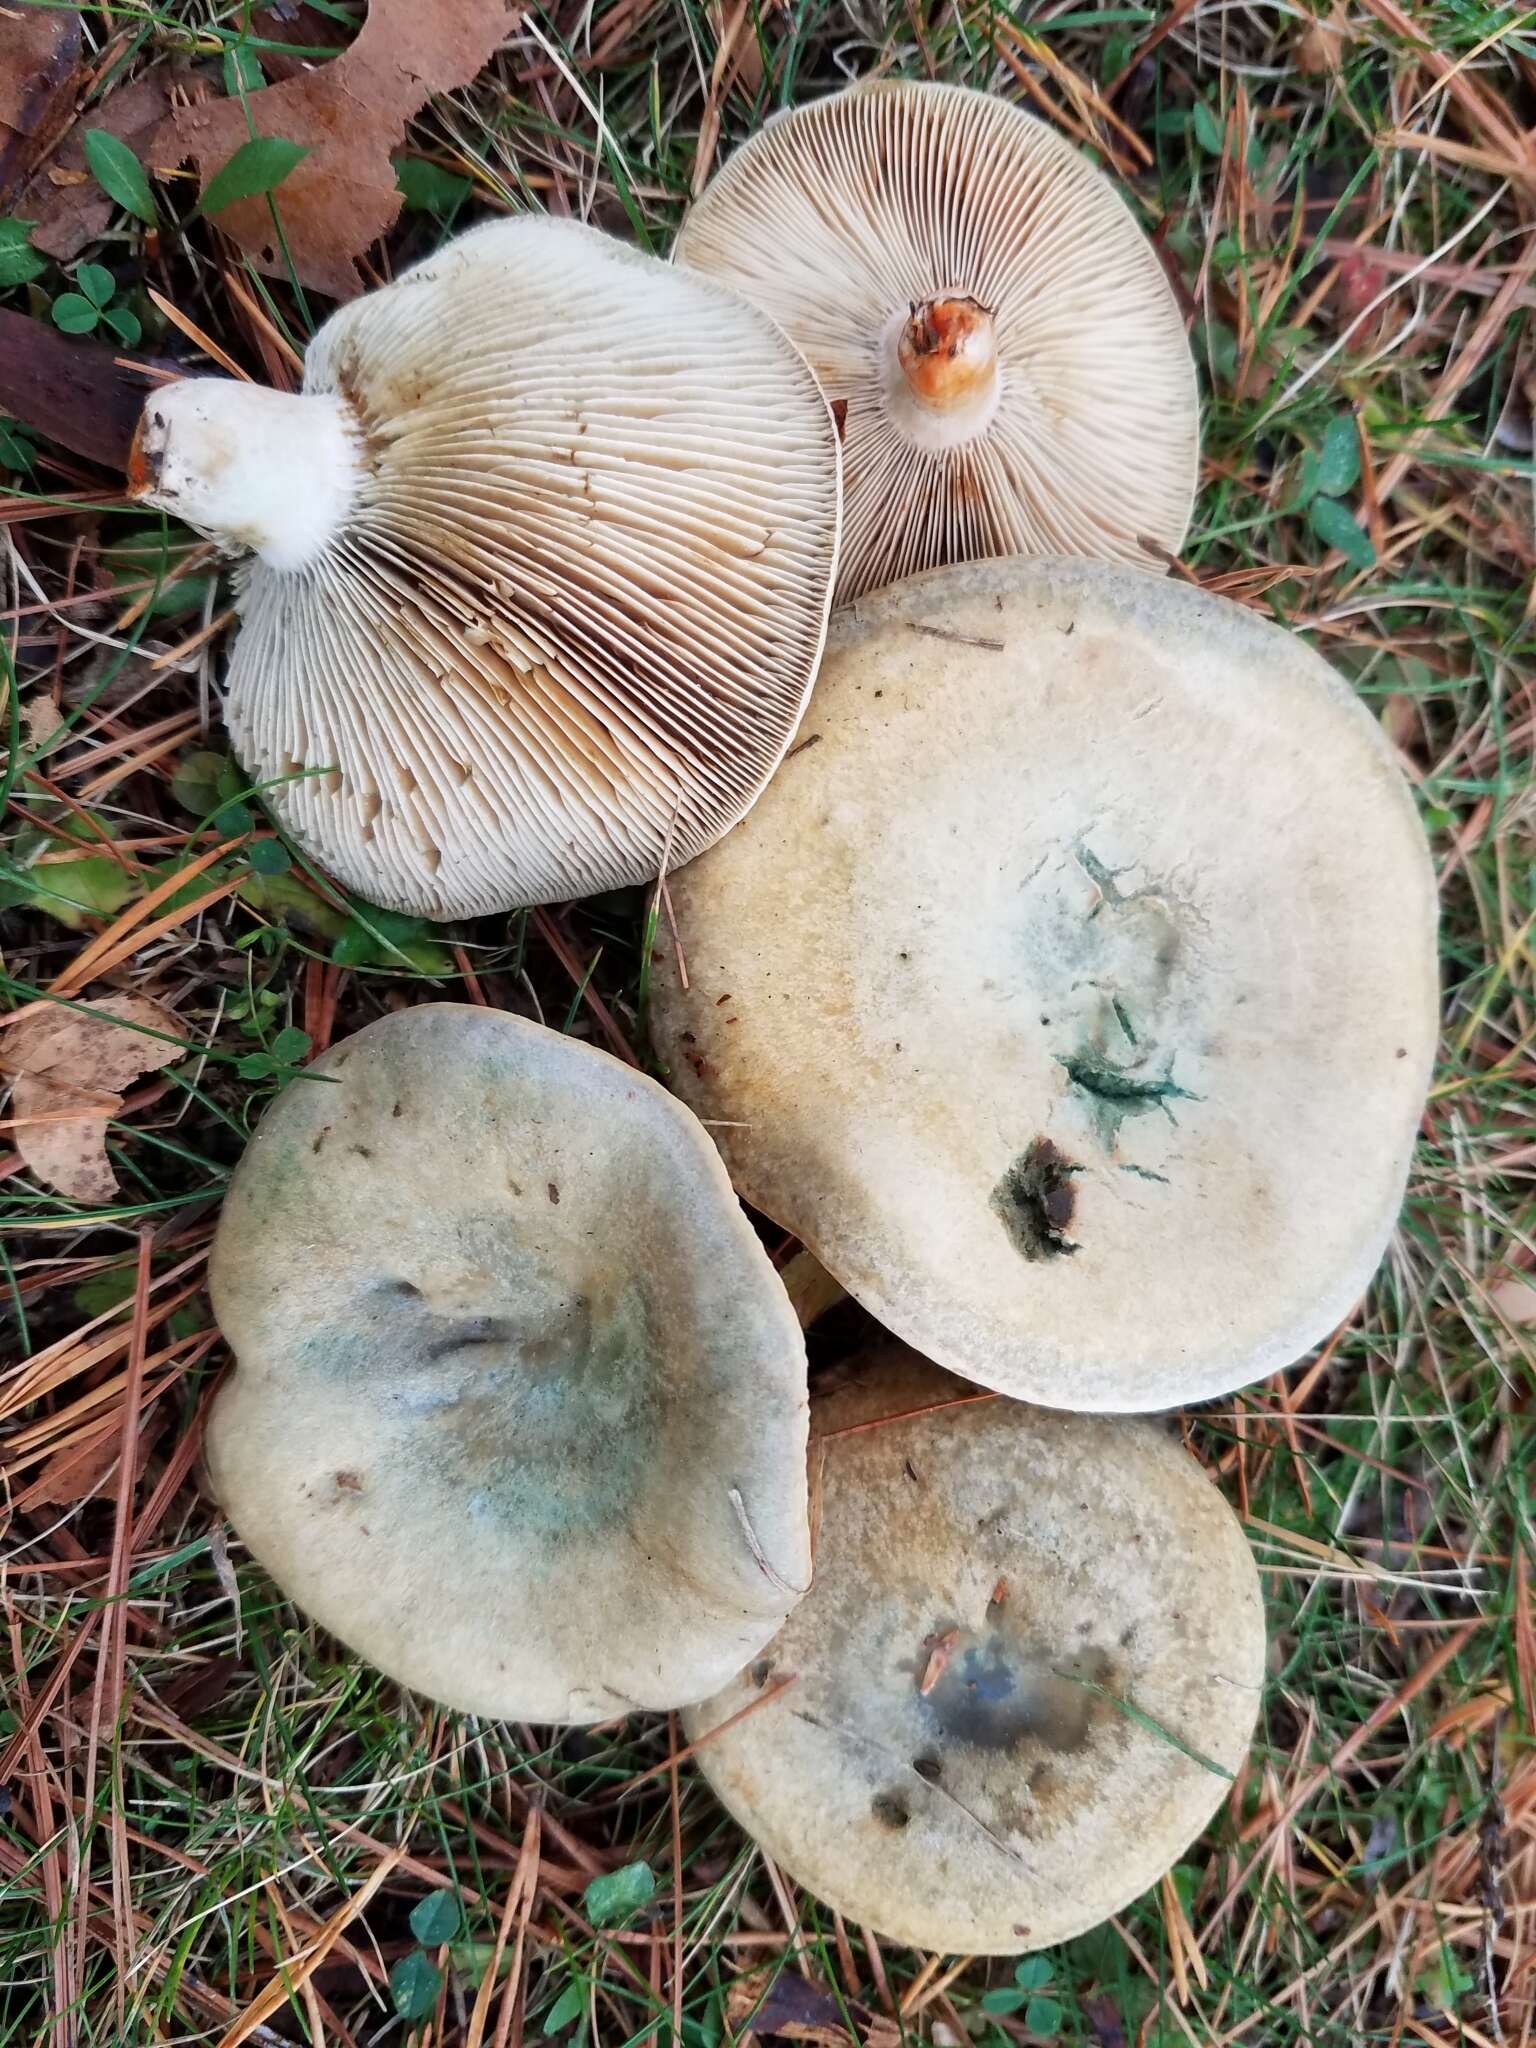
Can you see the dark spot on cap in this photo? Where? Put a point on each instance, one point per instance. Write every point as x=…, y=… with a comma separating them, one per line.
x=554, y=1194
x=890, y=1809
x=1036, y=1200
x=997, y=1691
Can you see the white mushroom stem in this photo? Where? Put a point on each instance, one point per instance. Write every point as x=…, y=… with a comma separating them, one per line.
x=947, y=349
x=273, y=471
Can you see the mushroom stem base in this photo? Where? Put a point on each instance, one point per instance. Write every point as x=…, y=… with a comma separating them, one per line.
x=941, y=371
x=274, y=471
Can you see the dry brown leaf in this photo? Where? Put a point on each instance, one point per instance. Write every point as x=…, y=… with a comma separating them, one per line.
x=1320, y=45
x=86, y=1470
x=1517, y=418
x=66, y=202
x=788, y=2007
x=61, y=196
x=78, y=1472
x=1360, y=282
x=39, y=56
x=201, y=1686
x=1515, y=1298
x=785, y=2005
x=69, y=1068
x=350, y=114
x=42, y=718
x=301, y=25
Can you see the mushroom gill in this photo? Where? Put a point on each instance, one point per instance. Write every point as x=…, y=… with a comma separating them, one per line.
x=542, y=557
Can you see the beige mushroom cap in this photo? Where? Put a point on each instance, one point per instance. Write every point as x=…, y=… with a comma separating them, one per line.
x=543, y=557
x=1040, y=1574
x=1072, y=993
x=519, y=1410
x=1013, y=362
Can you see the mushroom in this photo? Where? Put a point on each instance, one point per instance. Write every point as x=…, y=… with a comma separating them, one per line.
x=1072, y=992
x=1022, y=1682
x=1012, y=361
x=519, y=1406
x=542, y=559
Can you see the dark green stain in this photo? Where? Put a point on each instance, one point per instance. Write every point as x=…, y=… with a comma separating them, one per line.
x=1113, y=1094
x=558, y=1446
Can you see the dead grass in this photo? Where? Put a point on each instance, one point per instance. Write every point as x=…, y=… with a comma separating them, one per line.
x=215, y=1827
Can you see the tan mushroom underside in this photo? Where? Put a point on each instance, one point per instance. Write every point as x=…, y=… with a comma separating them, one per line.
x=842, y=217
x=519, y=1405
x=573, y=616
x=1043, y=1574
x=1072, y=993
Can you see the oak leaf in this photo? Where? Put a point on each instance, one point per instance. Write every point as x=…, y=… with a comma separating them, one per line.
x=67, y=205
x=39, y=59
x=70, y=1062
x=350, y=114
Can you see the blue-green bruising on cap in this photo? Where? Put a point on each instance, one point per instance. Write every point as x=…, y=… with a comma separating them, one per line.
x=995, y=1692
x=537, y=1417
x=567, y=1454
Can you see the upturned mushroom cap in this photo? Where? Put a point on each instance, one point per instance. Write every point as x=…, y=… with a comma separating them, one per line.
x=519, y=1405
x=1072, y=993
x=543, y=556
x=1012, y=359
x=1029, y=1665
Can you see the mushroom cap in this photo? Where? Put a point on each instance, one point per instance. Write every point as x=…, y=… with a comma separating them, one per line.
x=519, y=1407
x=843, y=218
x=1082, y=1608
x=572, y=615
x=1072, y=993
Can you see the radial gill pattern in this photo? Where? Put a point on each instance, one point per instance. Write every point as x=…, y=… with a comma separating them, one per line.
x=572, y=619
x=839, y=218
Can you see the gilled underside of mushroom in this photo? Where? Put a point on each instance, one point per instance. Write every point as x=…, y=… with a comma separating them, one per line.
x=1012, y=360
x=569, y=616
